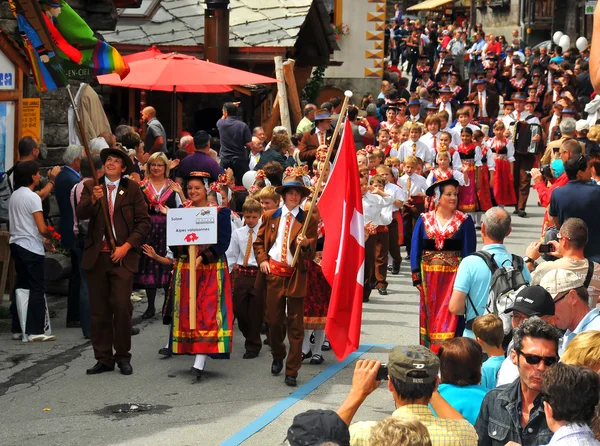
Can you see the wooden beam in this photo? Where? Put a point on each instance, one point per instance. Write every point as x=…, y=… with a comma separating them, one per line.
x=292, y=90
x=244, y=91
x=273, y=120
x=282, y=94
x=18, y=112
x=9, y=95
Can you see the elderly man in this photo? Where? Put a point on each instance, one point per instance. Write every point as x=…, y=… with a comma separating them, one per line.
x=68, y=177
x=567, y=129
x=319, y=137
x=572, y=239
x=473, y=278
x=571, y=300
x=235, y=137
x=156, y=137
x=306, y=124
x=413, y=381
x=514, y=412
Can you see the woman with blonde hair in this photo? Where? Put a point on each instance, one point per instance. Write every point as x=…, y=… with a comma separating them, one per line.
x=160, y=194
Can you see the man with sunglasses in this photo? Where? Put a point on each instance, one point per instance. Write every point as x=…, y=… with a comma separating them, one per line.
x=514, y=412
x=530, y=301
x=579, y=198
x=571, y=299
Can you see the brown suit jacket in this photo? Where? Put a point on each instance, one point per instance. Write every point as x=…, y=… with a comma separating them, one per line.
x=265, y=239
x=309, y=144
x=492, y=104
x=545, y=123
x=130, y=219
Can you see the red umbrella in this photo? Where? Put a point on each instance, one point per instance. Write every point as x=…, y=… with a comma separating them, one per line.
x=150, y=53
x=183, y=73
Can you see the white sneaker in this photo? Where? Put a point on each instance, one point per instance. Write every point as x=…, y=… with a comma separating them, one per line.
x=17, y=336
x=42, y=338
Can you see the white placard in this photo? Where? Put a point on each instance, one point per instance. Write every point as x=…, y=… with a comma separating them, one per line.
x=590, y=6
x=8, y=80
x=192, y=226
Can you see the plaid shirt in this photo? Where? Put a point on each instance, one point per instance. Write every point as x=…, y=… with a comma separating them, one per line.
x=574, y=435
x=443, y=432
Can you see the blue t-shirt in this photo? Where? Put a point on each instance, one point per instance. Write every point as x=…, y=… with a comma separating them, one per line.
x=474, y=278
x=489, y=371
x=564, y=206
x=466, y=399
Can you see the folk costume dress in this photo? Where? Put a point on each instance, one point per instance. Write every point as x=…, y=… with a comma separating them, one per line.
x=484, y=195
x=470, y=157
x=504, y=155
x=214, y=307
x=152, y=274
x=438, y=175
x=318, y=290
x=435, y=255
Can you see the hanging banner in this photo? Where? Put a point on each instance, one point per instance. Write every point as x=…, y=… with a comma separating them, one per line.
x=31, y=122
x=7, y=135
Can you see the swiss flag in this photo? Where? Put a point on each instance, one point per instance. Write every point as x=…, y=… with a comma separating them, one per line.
x=344, y=251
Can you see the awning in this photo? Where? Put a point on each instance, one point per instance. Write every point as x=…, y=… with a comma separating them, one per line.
x=428, y=5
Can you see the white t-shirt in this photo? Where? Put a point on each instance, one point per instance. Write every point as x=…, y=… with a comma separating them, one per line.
x=23, y=230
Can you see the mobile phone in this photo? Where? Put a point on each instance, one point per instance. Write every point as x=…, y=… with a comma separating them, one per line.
x=382, y=373
x=544, y=249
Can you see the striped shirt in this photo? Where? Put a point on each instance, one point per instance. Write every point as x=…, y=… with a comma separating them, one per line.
x=443, y=432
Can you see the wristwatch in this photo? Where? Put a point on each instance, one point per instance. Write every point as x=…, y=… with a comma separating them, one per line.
x=528, y=259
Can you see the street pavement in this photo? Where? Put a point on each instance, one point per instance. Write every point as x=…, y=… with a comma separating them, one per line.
x=47, y=399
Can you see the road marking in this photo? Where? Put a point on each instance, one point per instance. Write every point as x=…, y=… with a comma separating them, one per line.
x=274, y=412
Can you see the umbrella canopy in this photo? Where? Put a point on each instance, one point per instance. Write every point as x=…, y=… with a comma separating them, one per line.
x=150, y=53
x=187, y=74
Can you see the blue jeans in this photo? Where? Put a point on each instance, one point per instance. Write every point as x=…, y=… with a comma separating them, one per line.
x=84, y=297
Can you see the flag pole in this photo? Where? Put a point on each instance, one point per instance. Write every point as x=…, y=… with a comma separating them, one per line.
x=109, y=233
x=347, y=96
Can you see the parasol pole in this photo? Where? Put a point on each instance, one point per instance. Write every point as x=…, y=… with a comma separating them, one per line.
x=192, y=296
x=347, y=96
x=103, y=204
x=174, y=116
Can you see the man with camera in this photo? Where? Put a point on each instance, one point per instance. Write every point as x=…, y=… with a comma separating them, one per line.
x=412, y=373
x=568, y=250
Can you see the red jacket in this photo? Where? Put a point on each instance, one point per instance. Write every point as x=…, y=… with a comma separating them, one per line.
x=545, y=193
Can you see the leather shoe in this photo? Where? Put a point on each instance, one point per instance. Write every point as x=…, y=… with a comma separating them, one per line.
x=73, y=324
x=290, y=380
x=396, y=268
x=317, y=359
x=522, y=213
x=307, y=355
x=197, y=373
x=277, y=366
x=149, y=313
x=125, y=367
x=99, y=368
x=165, y=352
x=382, y=291
x=135, y=331
x=250, y=355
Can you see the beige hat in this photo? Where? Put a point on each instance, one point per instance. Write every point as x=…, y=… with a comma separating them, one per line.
x=582, y=125
x=560, y=280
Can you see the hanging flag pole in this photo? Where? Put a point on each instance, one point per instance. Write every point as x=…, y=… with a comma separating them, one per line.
x=109, y=233
x=347, y=96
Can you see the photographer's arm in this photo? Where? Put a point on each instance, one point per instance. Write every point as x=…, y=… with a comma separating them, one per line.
x=363, y=384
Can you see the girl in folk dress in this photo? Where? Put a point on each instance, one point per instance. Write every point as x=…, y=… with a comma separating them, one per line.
x=486, y=177
x=444, y=171
x=316, y=301
x=160, y=193
x=504, y=155
x=470, y=156
x=213, y=334
x=442, y=238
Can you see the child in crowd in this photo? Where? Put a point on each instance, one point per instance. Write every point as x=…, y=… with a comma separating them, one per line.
x=396, y=166
x=382, y=242
x=248, y=301
x=444, y=170
x=395, y=228
x=416, y=148
x=503, y=152
x=413, y=196
x=394, y=144
x=486, y=177
x=489, y=333
x=404, y=134
x=464, y=121
x=470, y=155
x=269, y=198
x=447, y=142
x=374, y=201
x=361, y=159
x=444, y=127
x=432, y=138
x=383, y=138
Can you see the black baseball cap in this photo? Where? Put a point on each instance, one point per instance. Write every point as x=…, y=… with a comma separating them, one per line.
x=201, y=138
x=314, y=427
x=533, y=301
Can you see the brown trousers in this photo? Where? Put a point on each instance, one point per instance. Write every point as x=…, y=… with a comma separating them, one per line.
x=276, y=320
x=382, y=249
x=109, y=287
x=522, y=181
x=248, y=309
x=409, y=217
x=394, y=248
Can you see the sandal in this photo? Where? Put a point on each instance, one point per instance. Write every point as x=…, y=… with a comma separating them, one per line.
x=317, y=359
x=326, y=345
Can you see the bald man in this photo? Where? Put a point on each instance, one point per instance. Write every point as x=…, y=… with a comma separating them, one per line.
x=156, y=137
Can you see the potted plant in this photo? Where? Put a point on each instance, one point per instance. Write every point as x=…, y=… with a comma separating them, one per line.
x=340, y=30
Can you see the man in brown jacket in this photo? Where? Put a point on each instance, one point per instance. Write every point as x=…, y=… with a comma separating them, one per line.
x=316, y=138
x=277, y=240
x=110, y=274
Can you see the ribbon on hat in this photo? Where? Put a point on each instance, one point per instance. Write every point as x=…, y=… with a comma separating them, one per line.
x=370, y=148
x=297, y=171
x=260, y=175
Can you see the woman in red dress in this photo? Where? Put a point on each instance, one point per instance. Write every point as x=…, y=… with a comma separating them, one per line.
x=503, y=152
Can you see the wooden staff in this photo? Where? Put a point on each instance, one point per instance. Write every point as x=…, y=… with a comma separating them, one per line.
x=192, y=296
x=103, y=203
x=347, y=96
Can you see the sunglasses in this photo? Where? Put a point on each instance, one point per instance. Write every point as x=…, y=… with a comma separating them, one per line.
x=558, y=299
x=535, y=359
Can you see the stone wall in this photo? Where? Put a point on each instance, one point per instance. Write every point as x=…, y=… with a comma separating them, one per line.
x=500, y=21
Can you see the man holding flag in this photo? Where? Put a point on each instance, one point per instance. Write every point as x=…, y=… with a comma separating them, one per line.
x=341, y=210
